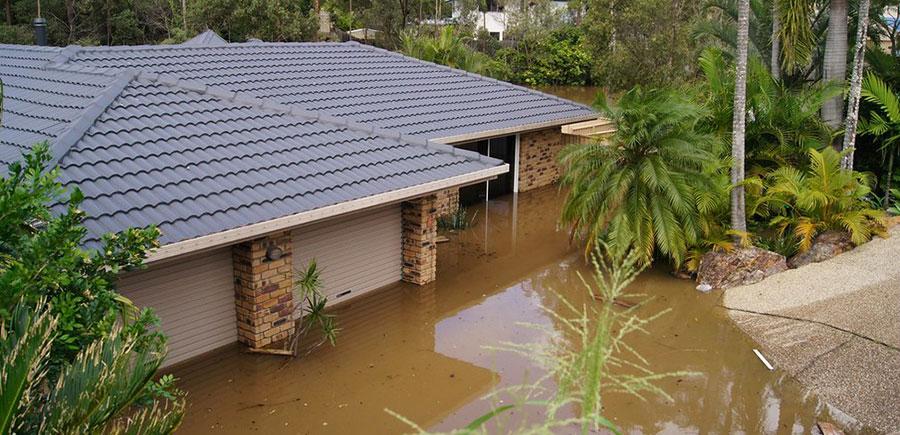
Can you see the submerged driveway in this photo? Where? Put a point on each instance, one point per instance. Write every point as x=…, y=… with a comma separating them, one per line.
x=835, y=326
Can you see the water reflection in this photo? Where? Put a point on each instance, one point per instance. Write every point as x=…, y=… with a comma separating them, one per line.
x=419, y=350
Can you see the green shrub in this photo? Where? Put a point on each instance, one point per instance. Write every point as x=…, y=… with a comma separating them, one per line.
x=818, y=198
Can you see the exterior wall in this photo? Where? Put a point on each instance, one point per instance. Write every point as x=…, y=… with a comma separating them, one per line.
x=194, y=299
x=355, y=254
x=263, y=290
x=420, y=240
x=538, y=153
x=447, y=201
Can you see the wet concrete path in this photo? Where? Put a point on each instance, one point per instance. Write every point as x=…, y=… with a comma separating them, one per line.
x=835, y=326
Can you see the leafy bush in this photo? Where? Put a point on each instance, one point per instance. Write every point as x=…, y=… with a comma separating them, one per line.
x=96, y=393
x=41, y=257
x=558, y=59
x=820, y=198
x=640, y=188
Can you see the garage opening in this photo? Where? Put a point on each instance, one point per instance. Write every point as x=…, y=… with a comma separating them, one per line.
x=354, y=255
x=503, y=148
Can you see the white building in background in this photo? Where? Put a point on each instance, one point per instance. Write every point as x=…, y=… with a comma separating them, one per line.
x=496, y=18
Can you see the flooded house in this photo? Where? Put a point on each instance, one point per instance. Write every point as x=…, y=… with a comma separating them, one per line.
x=255, y=158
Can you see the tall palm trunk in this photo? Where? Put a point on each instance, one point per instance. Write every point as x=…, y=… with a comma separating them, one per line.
x=835, y=61
x=738, y=208
x=776, y=41
x=855, y=85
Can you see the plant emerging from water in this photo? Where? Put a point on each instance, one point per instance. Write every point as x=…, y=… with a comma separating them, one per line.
x=311, y=310
x=639, y=189
x=456, y=220
x=587, y=359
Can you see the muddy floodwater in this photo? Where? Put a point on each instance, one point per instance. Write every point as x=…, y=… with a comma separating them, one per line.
x=420, y=351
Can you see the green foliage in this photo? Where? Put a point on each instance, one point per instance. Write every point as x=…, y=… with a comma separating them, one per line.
x=448, y=48
x=641, y=188
x=820, y=198
x=97, y=393
x=641, y=42
x=456, y=220
x=560, y=58
x=782, y=122
x=883, y=123
x=307, y=290
x=41, y=256
x=239, y=20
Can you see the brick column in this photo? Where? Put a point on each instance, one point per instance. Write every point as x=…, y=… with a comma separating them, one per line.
x=538, y=154
x=263, y=290
x=447, y=201
x=419, y=240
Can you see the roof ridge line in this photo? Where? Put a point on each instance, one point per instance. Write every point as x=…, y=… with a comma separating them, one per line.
x=61, y=145
x=467, y=73
x=299, y=112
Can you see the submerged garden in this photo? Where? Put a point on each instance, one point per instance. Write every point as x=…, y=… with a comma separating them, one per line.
x=764, y=152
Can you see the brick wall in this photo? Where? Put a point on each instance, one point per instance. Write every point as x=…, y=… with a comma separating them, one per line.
x=447, y=201
x=538, y=153
x=419, y=240
x=263, y=290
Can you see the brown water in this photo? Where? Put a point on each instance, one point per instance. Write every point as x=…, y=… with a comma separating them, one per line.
x=420, y=350
x=578, y=94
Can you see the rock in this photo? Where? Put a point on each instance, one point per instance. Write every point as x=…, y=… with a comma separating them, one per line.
x=743, y=266
x=825, y=246
x=704, y=287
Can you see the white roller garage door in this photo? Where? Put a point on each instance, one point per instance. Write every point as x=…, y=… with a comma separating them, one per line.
x=194, y=299
x=355, y=254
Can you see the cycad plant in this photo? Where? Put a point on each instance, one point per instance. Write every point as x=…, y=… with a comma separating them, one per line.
x=820, y=198
x=884, y=123
x=637, y=188
x=108, y=387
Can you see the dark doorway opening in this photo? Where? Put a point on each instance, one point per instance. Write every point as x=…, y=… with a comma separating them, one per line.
x=503, y=148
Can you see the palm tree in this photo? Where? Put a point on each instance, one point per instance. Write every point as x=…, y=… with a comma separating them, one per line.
x=855, y=85
x=886, y=124
x=639, y=188
x=835, y=61
x=738, y=208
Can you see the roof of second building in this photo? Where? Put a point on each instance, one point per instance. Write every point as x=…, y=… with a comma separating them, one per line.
x=349, y=80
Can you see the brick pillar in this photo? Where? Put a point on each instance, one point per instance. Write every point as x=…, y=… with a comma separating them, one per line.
x=263, y=290
x=419, y=240
x=538, y=158
x=447, y=201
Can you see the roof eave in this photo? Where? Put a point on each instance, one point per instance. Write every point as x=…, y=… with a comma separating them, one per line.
x=506, y=131
x=252, y=231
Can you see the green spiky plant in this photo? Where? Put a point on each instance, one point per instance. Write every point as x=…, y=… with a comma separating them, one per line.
x=820, y=198
x=594, y=360
x=456, y=220
x=108, y=387
x=312, y=314
x=638, y=188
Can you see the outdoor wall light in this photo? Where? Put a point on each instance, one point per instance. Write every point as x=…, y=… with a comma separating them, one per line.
x=274, y=253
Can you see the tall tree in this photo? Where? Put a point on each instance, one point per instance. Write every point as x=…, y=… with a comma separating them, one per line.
x=775, y=63
x=835, y=61
x=738, y=208
x=859, y=55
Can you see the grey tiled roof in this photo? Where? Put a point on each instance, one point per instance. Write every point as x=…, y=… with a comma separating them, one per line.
x=197, y=160
x=349, y=80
